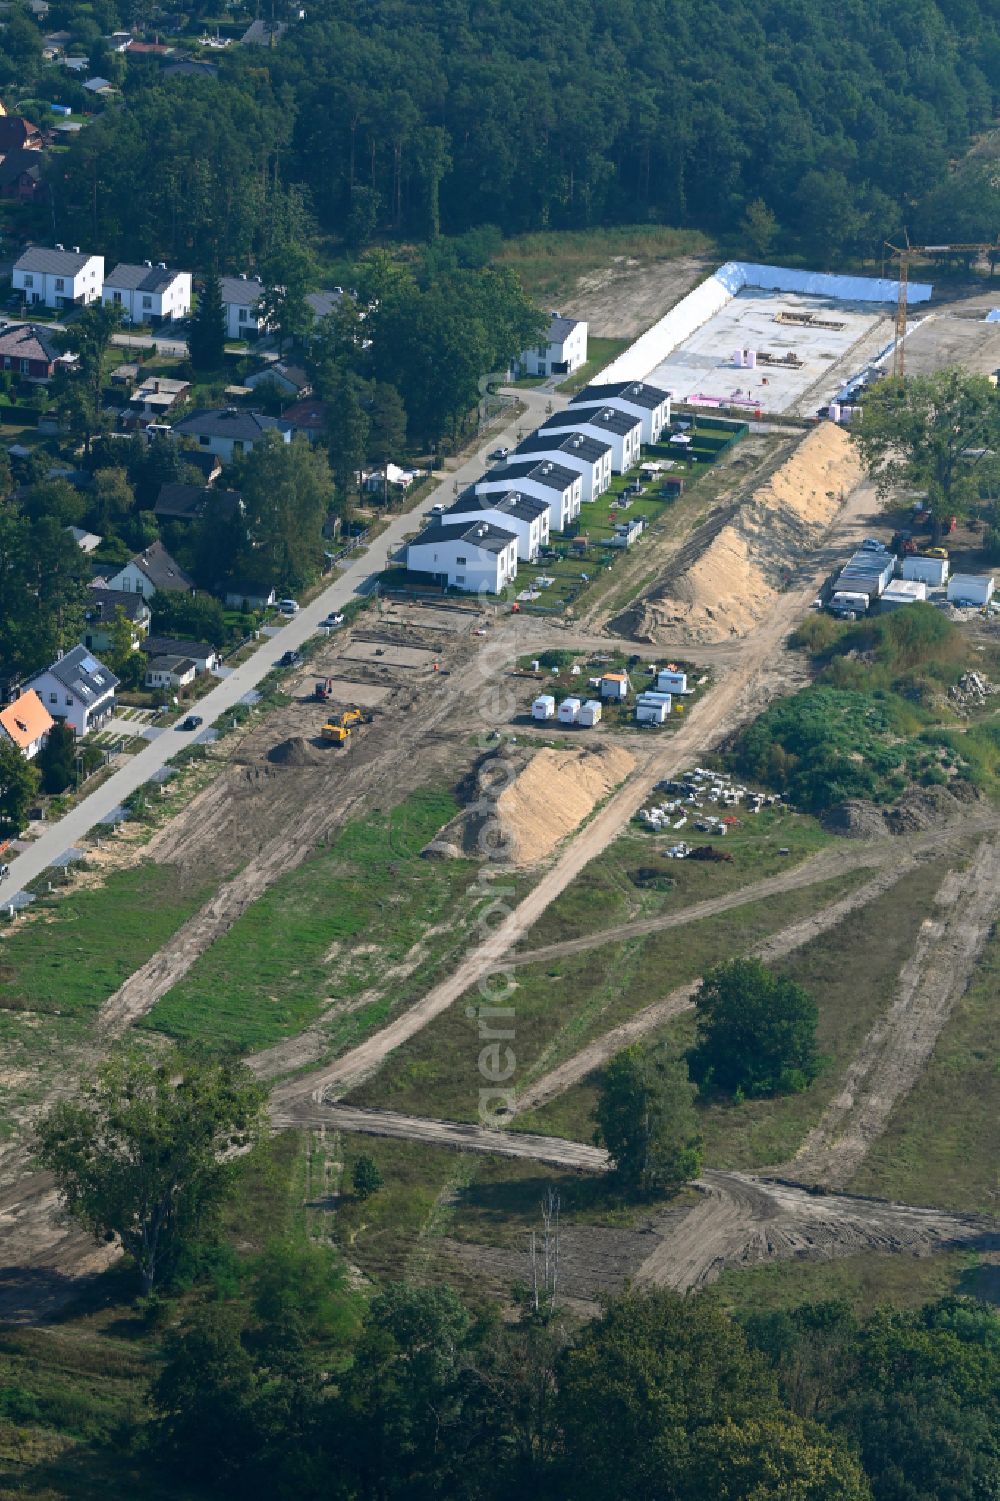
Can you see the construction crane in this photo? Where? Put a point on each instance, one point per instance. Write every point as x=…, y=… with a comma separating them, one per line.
x=904, y=255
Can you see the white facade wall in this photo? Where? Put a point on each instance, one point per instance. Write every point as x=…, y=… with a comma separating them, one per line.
x=544, y=359
x=932, y=571
x=242, y=319
x=167, y=306
x=595, y=477
x=464, y=565
x=61, y=291
x=133, y=581
x=531, y=535
x=228, y=448
x=63, y=704
x=625, y=447
x=564, y=506
x=971, y=588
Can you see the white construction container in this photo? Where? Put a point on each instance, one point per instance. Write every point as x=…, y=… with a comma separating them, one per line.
x=655, y=697
x=970, y=588
x=669, y=681
x=614, y=685
x=932, y=571
x=648, y=711
x=590, y=714
x=903, y=592
x=544, y=707
x=569, y=711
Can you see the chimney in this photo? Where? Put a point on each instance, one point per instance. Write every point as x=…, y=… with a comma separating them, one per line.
x=76, y=250
x=60, y=247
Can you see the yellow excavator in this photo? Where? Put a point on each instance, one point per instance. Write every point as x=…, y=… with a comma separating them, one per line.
x=337, y=731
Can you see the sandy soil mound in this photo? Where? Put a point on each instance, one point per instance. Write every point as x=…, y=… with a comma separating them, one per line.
x=731, y=586
x=855, y=819
x=521, y=804
x=296, y=752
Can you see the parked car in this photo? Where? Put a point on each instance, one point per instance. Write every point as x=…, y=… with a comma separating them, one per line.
x=499, y=453
x=288, y=606
x=193, y=722
x=332, y=620
x=290, y=659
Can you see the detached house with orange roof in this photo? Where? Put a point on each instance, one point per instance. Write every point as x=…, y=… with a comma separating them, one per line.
x=26, y=722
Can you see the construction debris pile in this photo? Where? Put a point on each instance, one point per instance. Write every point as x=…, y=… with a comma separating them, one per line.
x=692, y=792
x=732, y=584
x=971, y=691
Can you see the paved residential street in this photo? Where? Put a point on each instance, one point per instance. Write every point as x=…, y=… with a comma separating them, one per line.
x=68, y=831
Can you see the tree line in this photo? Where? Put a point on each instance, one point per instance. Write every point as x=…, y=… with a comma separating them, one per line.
x=827, y=126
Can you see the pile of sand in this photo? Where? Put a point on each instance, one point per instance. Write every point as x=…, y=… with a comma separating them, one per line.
x=296, y=752
x=524, y=804
x=732, y=585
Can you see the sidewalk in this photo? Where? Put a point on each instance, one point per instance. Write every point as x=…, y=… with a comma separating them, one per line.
x=70, y=830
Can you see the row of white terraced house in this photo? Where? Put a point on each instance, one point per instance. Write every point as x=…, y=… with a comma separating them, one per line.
x=510, y=514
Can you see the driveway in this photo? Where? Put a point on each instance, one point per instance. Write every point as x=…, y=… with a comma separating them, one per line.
x=356, y=580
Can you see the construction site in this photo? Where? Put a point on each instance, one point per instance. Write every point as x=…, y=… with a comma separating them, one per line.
x=325, y=890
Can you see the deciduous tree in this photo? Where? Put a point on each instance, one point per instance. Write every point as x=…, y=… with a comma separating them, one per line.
x=756, y=1031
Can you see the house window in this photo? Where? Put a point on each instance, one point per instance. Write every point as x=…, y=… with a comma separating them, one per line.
x=53, y=698
x=25, y=366
x=238, y=445
x=460, y=578
x=244, y=315
x=60, y=284
x=461, y=560
x=203, y=440
x=69, y=702
x=29, y=280
x=147, y=302
x=116, y=298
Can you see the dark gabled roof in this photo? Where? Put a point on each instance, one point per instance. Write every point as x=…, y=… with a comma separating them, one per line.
x=480, y=533
x=107, y=602
x=172, y=646
x=594, y=416
x=541, y=471
x=16, y=131
x=190, y=68
x=23, y=161
x=161, y=570
x=230, y=422
x=51, y=262
x=524, y=507
x=637, y=392
x=175, y=665
x=323, y=303
x=26, y=341
x=243, y=290
x=580, y=444
x=560, y=328
x=180, y=502
x=86, y=677
x=127, y=278
x=259, y=33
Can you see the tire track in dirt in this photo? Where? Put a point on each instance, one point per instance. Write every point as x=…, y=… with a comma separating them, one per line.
x=653, y=1017
x=899, y=1045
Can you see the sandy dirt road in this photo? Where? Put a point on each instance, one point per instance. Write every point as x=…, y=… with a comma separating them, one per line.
x=900, y=1043
x=744, y=1220
x=455, y=1134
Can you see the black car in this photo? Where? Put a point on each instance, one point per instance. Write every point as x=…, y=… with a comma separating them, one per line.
x=193, y=722
x=290, y=659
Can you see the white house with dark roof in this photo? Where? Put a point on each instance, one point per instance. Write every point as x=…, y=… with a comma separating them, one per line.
x=523, y=515
x=58, y=278
x=102, y=610
x=324, y=303
x=560, y=488
x=78, y=690
x=635, y=398
x=286, y=378
x=590, y=457
x=170, y=672
x=564, y=350
x=148, y=293
x=149, y=572
x=475, y=556
x=240, y=300
x=230, y=431
x=608, y=425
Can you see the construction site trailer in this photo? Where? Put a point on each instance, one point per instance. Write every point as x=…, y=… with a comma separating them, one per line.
x=544, y=707
x=970, y=588
x=590, y=713
x=903, y=592
x=668, y=680
x=569, y=711
x=651, y=712
x=932, y=571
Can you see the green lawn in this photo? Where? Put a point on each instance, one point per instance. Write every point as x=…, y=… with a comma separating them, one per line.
x=600, y=354
x=67, y=959
x=326, y=931
x=562, y=1005
x=850, y=971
